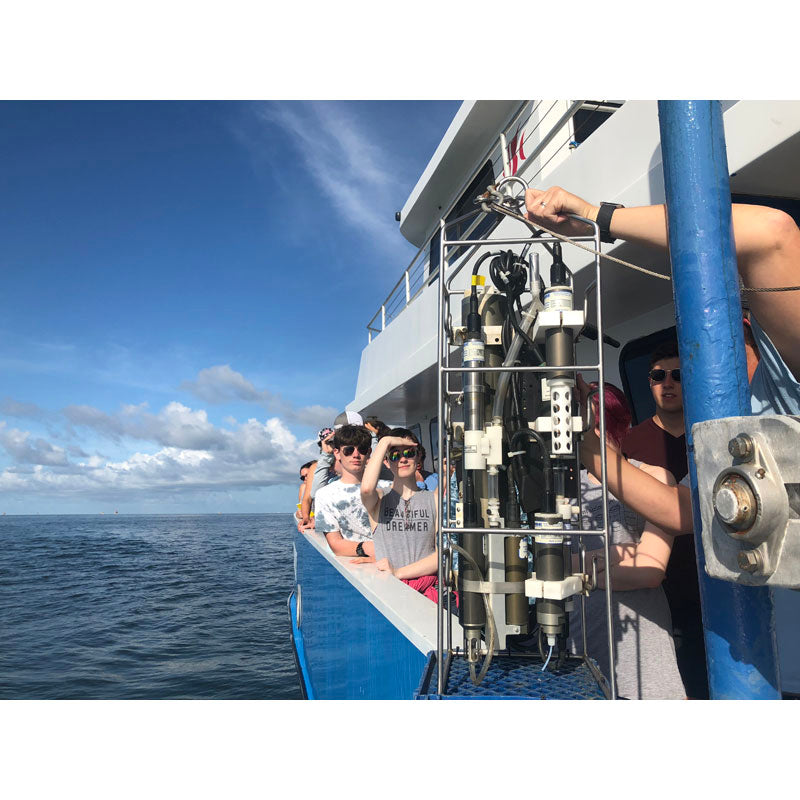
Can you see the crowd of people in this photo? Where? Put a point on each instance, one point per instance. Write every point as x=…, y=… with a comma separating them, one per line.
x=383, y=507
x=373, y=499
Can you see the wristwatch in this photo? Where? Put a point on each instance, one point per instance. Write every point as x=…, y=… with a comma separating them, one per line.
x=360, y=550
x=604, y=221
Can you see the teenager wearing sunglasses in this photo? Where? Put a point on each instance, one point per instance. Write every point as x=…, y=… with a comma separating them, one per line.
x=403, y=519
x=339, y=512
x=661, y=439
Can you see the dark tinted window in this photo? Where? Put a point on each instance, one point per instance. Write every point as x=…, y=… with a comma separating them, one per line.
x=434, y=433
x=589, y=118
x=466, y=205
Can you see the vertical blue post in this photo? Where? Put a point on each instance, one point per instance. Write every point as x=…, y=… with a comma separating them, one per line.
x=737, y=620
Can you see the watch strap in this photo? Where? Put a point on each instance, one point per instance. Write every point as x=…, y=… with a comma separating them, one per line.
x=604, y=221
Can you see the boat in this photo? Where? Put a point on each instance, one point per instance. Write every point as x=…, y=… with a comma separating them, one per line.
x=361, y=634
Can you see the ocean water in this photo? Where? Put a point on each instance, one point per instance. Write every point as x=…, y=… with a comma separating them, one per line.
x=146, y=607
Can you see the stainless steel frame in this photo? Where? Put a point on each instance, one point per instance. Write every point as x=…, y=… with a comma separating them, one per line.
x=446, y=277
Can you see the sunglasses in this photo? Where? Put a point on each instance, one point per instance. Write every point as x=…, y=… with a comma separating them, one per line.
x=303, y=478
x=658, y=375
x=409, y=452
x=348, y=449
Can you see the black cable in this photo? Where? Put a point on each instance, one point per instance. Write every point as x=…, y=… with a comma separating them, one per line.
x=509, y=274
x=478, y=266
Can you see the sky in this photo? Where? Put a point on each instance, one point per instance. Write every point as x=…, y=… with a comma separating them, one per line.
x=186, y=289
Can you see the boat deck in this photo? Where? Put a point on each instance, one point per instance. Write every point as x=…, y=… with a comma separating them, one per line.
x=515, y=677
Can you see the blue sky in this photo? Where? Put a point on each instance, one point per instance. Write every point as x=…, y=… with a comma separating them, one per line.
x=186, y=292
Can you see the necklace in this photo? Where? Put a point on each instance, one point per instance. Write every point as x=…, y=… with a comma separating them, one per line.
x=405, y=513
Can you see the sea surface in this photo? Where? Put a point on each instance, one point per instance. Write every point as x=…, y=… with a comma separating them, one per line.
x=146, y=607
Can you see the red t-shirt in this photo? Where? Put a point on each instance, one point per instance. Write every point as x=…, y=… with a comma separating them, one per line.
x=653, y=445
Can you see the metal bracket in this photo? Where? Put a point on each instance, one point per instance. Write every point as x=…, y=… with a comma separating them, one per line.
x=748, y=480
x=555, y=590
x=492, y=334
x=558, y=318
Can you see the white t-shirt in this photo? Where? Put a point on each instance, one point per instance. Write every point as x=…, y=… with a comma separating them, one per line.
x=338, y=507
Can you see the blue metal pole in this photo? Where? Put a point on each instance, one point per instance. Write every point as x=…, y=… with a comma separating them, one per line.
x=737, y=620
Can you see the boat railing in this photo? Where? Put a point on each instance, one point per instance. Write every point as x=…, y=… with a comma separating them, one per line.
x=418, y=274
x=411, y=283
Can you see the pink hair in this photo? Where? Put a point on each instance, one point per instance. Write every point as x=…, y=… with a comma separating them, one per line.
x=618, y=415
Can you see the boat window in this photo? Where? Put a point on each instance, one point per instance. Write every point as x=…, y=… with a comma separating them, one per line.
x=433, y=256
x=634, y=364
x=590, y=117
x=465, y=205
x=433, y=430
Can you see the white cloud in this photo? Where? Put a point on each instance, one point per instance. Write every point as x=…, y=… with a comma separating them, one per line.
x=254, y=455
x=221, y=384
x=175, y=425
x=191, y=454
x=13, y=408
x=25, y=449
x=345, y=164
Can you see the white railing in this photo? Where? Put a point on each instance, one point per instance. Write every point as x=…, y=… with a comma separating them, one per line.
x=411, y=283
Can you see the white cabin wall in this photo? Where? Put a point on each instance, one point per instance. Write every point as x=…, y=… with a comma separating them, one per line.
x=545, y=114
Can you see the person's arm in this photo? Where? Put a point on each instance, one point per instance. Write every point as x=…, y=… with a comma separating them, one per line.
x=315, y=481
x=425, y=566
x=768, y=254
x=347, y=547
x=322, y=471
x=644, y=564
x=642, y=224
x=370, y=494
x=668, y=507
x=363, y=559
x=304, y=512
x=767, y=243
